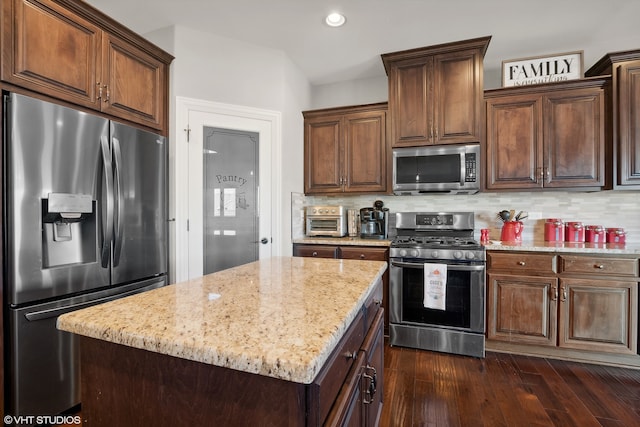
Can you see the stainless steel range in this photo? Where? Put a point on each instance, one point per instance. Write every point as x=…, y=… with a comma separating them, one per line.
x=446, y=314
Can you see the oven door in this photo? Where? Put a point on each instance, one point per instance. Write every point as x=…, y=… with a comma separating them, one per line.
x=465, y=296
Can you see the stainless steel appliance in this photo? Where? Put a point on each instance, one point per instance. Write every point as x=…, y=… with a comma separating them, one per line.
x=85, y=222
x=329, y=221
x=449, y=169
x=421, y=239
x=374, y=222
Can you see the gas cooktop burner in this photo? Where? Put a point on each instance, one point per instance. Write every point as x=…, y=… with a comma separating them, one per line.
x=432, y=242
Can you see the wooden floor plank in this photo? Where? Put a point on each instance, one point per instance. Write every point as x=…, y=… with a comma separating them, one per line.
x=506, y=390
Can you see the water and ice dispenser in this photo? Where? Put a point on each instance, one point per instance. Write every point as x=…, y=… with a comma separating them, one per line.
x=69, y=230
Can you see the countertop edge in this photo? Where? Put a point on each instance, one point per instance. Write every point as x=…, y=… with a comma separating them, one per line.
x=191, y=351
x=564, y=247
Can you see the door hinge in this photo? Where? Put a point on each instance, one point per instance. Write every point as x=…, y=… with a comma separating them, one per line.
x=188, y=131
x=187, y=225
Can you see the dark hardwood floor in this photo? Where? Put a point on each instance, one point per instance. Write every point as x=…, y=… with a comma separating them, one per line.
x=423, y=388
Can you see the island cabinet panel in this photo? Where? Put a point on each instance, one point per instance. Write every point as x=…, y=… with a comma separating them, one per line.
x=551, y=136
x=345, y=150
x=583, y=308
x=69, y=51
x=125, y=386
x=435, y=93
x=624, y=112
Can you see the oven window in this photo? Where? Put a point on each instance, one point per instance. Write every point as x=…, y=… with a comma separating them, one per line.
x=458, y=299
x=431, y=169
x=324, y=224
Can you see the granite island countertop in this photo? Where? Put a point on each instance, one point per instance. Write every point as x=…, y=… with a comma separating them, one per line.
x=279, y=317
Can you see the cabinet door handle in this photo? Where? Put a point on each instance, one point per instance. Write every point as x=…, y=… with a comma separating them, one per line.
x=370, y=391
x=106, y=88
x=564, y=294
x=99, y=90
x=522, y=263
x=554, y=294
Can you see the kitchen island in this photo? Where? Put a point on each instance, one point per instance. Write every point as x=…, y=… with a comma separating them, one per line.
x=283, y=341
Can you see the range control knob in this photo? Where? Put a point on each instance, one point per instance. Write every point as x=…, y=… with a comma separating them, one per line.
x=403, y=252
x=414, y=253
x=457, y=254
x=434, y=254
x=470, y=255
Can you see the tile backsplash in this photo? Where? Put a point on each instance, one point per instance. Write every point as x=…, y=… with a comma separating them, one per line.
x=605, y=208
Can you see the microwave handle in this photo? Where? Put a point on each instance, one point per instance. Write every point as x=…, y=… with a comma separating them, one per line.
x=463, y=169
x=449, y=267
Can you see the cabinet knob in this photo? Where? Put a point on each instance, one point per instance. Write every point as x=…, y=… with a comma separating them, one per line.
x=522, y=263
x=362, y=256
x=314, y=253
x=377, y=302
x=599, y=266
x=350, y=355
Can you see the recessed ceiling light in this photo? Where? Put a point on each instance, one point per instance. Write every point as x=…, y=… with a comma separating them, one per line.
x=335, y=19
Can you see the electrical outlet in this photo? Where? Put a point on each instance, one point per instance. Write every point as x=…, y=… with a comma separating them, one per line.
x=535, y=215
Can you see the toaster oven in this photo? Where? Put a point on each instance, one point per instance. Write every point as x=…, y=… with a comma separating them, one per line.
x=329, y=221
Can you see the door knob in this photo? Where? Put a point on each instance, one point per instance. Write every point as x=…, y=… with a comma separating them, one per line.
x=264, y=240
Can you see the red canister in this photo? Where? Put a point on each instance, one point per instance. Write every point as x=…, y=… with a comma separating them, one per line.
x=553, y=230
x=594, y=234
x=574, y=232
x=615, y=235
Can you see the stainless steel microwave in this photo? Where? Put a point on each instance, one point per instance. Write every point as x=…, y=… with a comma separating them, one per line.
x=448, y=169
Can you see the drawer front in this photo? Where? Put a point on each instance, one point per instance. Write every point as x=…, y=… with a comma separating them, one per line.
x=373, y=304
x=358, y=252
x=315, y=251
x=525, y=262
x=326, y=386
x=598, y=265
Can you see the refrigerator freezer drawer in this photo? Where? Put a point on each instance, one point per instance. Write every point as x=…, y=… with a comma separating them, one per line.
x=44, y=372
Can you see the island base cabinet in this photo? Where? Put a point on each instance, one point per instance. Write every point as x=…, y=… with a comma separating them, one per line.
x=124, y=386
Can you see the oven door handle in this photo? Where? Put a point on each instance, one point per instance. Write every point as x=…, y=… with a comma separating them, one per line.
x=449, y=267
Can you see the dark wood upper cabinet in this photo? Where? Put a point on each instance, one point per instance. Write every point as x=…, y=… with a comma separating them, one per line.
x=345, y=150
x=551, y=136
x=435, y=93
x=624, y=68
x=69, y=51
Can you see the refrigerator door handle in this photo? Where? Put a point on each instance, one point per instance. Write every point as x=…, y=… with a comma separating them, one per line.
x=108, y=228
x=117, y=219
x=55, y=312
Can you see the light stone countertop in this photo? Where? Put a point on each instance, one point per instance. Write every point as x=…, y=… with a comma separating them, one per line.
x=343, y=241
x=565, y=247
x=279, y=317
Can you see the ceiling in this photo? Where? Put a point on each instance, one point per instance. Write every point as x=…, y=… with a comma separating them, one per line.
x=329, y=55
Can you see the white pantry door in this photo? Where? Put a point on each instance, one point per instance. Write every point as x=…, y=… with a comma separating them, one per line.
x=228, y=188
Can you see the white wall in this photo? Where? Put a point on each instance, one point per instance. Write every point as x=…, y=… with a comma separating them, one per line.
x=218, y=69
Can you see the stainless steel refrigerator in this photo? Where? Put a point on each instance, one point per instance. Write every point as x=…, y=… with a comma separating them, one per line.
x=85, y=222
